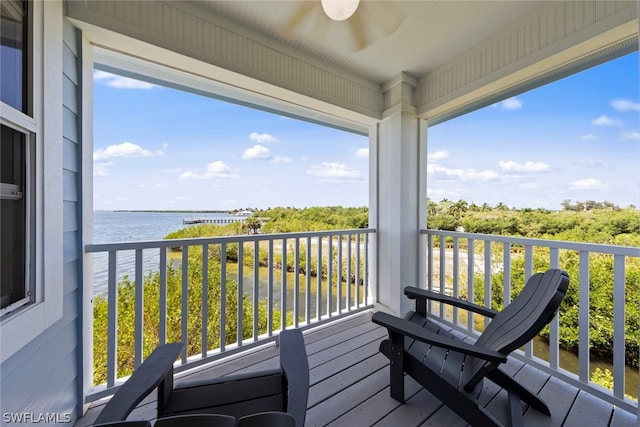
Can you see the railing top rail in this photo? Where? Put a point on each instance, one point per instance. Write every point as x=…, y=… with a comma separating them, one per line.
x=199, y=241
x=559, y=244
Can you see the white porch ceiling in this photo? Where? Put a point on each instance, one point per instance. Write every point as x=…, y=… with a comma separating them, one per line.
x=410, y=36
x=434, y=58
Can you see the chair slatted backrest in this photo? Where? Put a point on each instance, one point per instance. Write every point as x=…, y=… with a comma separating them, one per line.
x=520, y=321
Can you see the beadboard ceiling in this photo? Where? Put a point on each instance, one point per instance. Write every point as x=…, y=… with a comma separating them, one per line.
x=410, y=36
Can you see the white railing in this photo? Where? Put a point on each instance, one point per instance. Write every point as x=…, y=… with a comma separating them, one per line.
x=300, y=278
x=466, y=259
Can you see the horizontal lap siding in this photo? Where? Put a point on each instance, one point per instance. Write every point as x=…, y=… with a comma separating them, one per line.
x=43, y=377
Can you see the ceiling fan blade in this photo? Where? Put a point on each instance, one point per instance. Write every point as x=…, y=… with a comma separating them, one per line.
x=384, y=15
x=357, y=30
x=299, y=15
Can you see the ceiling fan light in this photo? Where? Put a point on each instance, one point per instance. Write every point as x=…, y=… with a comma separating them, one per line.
x=339, y=10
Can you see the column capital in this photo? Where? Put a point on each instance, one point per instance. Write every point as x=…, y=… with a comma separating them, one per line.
x=398, y=95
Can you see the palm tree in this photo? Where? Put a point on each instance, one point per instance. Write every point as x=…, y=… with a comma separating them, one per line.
x=252, y=225
x=458, y=209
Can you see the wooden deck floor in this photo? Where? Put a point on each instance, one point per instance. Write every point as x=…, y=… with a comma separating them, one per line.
x=350, y=387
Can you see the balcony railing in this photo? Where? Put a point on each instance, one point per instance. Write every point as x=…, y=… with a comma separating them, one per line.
x=281, y=281
x=457, y=263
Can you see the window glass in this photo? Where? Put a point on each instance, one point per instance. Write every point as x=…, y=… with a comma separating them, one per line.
x=12, y=212
x=13, y=38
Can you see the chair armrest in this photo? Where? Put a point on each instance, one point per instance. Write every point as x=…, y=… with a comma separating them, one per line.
x=416, y=293
x=153, y=372
x=295, y=365
x=406, y=328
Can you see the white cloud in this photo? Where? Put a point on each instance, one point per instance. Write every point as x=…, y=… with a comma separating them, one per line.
x=217, y=169
x=588, y=184
x=261, y=138
x=461, y=174
x=589, y=137
x=625, y=105
x=631, y=135
x=510, y=104
x=120, y=82
x=530, y=185
x=511, y=166
x=281, y=159
x=256, y=152
x=126, y=149
x=334, y=172
x=437, y=155
x=606, y=121
x=362, y=153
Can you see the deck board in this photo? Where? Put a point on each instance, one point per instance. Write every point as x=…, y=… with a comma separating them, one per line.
x=349, y=386
x=588, y=410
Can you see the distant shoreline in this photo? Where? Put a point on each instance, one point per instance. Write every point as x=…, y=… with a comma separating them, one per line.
x=173, y=211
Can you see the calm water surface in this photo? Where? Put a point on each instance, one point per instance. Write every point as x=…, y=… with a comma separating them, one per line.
x=114, y=227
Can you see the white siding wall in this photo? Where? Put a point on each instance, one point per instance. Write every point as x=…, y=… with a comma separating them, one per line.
x=43, y=378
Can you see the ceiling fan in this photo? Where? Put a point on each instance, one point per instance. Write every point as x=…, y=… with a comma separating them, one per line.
x=366, y=20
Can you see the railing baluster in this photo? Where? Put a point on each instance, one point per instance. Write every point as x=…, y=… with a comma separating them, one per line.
x=240, y=295
x=329, y=274
x=319, y=279
x=307, y=295
x=507, y=274
x=443, y=272
x=185, y=300
x=283, y=287
x=139, y=310
x=112, y=324
x=487, y=277
x=528, y=261
x=430, y=269
x=456, y=273
x=223, y=296
x=618, y=326
x=528, y=272
x=554, y=326
x=270, y=290
x=470, y=280
x=296, y=286
x=256, y=285
x=162, y=332
x=339, y=278
x=357, y=267
x=205, y=300
x=583, y=322
x=365, y=281
x=348, y=272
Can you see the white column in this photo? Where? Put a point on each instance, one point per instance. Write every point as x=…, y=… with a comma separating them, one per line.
x=397, y=145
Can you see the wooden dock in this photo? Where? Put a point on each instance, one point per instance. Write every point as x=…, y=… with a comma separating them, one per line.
x=220, y=221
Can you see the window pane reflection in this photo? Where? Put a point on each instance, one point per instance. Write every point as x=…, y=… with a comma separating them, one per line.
x=12, y=54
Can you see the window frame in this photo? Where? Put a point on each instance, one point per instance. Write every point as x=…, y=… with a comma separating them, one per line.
x=25, y=123
x=29, y=232
x=42, y=125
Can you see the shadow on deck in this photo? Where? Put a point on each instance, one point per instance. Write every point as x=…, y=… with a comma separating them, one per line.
x=349, y=381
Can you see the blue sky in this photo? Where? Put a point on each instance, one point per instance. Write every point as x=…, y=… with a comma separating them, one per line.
x=159, y=148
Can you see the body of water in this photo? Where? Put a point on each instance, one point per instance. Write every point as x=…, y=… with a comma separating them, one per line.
x=115, y=227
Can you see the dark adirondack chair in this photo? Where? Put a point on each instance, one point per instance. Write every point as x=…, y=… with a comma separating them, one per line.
x=283, y=390
x=453, y=369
